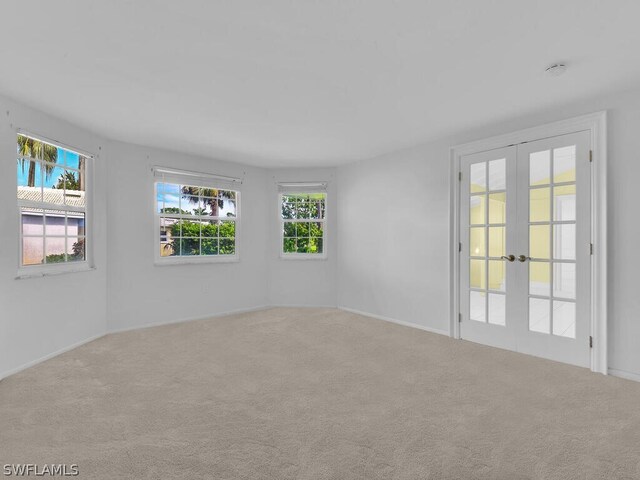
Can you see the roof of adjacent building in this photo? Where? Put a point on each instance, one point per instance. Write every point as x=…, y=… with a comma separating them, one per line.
x=52, y=195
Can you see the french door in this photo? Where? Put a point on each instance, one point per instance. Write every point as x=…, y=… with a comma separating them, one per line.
x=525, y=248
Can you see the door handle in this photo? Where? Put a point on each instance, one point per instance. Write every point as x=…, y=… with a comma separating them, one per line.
x=509, y=258
x=523, y=258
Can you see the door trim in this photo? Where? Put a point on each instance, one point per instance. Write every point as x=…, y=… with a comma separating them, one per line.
x=596, y=124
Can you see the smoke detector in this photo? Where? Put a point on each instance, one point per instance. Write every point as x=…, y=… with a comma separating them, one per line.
x=556, y=69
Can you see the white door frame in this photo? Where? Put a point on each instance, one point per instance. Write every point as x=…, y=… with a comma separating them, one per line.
x=596, y=123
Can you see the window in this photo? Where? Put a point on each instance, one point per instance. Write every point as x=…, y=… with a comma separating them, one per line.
x=53, y=203
x=303, y=215
x=196, y=220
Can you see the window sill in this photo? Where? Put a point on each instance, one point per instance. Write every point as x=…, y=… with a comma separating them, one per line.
x=168, y=261
x=52, y=270
x=302, y=256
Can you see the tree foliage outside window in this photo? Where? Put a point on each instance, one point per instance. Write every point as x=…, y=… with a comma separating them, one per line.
x=303, y=223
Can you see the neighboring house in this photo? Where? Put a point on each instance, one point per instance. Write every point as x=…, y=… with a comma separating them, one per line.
x=166, y=239
x=34, y=221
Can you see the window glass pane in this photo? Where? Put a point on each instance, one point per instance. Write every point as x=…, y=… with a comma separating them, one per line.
x=540, y=204
x=477, y=306
x=288, y=210
x=55, y=248
x=477, y=274
x=32, y=250
x=316, y=229
x=55, y=223
x=190, y=229
x=210, y=229
x=76, y=224
x=478, y=177
x=302, y=245
x=191, y=205
x=497, y=275
x=227, y=229
x=75, y=249
x=227, y=246
x=564, y=280
x=564, y=203
x=289, y=229
x=540, y=168
x=476, y=241
x=497, y=310
x=209, y=246
x=189, y=246
x=29, y=180
x=32, y=222
x=477, y=209
x=54, y=184
x=498, y=208
x=564, y=319
x=539, y=315
x=74, y=188
x=564, y=164
x=564, y=241
x=302, y=229
x=317, y=205
x=169, y=199
x=303, y=207
x=72, y=159
x=497, y=174
x=170, y=227
x=539, y=241
x=289, y=245
x=540, y=278
x=208, y=207
x=497, y=240
x=316, y=245
x=227, y=206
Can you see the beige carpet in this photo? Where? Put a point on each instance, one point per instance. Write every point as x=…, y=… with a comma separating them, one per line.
x=316, y=394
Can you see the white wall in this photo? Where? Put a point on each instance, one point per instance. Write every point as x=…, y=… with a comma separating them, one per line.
x=42, y=316
x=296, y=281
x=402, y=271
x=141, y=293
x=399, y=270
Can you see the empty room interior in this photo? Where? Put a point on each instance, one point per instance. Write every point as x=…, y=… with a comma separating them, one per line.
x=303, y=239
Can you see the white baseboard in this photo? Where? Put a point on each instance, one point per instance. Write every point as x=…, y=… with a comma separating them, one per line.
x=24, y=366
x=398, y=322
x=295, y=305
x=189, y=319
x=623, y=374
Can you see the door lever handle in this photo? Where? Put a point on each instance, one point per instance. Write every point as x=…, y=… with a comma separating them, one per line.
x=523, y=258
x=509, y=258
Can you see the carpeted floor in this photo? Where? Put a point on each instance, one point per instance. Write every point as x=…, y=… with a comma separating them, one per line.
x=316, y=394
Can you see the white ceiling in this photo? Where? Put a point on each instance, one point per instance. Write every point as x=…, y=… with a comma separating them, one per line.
x=308, y=82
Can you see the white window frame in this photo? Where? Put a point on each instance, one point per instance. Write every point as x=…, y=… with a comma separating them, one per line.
x=303, y=188
x=203, y=180
x=47, y=269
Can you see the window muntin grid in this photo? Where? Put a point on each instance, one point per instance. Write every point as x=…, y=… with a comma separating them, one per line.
x=303, y=223
x=196, y=221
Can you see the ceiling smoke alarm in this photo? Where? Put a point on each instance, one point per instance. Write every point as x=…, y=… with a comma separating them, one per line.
x=556, y=69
